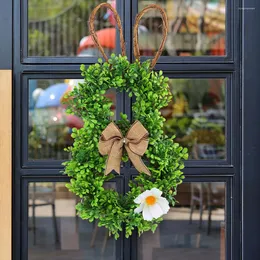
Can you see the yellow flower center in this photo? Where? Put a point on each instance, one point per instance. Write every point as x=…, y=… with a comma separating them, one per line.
x=150, y=200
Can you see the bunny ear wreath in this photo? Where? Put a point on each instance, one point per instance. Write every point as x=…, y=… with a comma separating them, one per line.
x=101, y=145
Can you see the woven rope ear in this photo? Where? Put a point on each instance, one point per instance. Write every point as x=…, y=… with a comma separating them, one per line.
x=165, y=31
x=93, y=32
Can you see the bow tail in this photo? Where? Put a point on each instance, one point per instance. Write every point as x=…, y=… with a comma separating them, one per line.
x=114, y=158
x=111, y=165
x=137, y=162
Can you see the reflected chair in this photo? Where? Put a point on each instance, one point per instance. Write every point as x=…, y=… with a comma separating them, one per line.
x=197, y=195
x=95, y=225
x=202, y=151
x=206, y=197
x=202, y=193
x=40, y=196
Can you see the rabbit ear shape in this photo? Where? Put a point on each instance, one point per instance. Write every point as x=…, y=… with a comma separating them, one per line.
x=164, y=27
x=93, y=31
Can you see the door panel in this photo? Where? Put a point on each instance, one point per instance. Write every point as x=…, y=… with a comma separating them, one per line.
x=49, y=128
x=193, y=229
x=184, y=37
x=197, y=115
x=37, y=59
x=241, y=62
x=59, y=28
x=56, y=232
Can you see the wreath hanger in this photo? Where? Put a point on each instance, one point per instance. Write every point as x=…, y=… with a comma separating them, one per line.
x=135, y=32
x=165, y=31
x=92, y=30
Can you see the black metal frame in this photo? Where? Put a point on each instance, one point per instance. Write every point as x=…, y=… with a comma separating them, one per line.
x=239, y=66
x=250, y=131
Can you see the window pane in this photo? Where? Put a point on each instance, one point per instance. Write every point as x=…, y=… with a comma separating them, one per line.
x=60, y=28
x=196, y=28
x=55, y=232
x=185, y=233
x=49, y=126
x=196, y=116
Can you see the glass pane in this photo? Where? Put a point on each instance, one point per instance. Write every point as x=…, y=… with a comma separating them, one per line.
x=50, y=127
x=196, y=28
x=193, y=230
x=60, y=28
x=196, y=116
x=55, y=232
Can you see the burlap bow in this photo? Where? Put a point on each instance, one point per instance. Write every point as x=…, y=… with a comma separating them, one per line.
x=111, y=143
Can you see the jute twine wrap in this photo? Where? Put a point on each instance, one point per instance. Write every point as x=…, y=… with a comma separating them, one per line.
x=164, y=31
x=135, y=37
x=93, y=32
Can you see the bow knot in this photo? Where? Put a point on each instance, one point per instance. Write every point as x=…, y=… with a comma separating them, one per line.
x=135, y=142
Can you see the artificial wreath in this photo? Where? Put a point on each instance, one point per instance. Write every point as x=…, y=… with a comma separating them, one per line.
x=101, y=144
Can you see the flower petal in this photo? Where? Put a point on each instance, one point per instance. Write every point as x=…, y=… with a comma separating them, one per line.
x=156, y=192
x=140, y=208
x=146, y=213
x=164, y=204
x=142, y=197
x=156, y=211
x=139, y=199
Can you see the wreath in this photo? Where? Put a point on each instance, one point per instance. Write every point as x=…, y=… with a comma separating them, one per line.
x=101, y=144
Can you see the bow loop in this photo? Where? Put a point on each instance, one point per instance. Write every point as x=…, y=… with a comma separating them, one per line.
x=112, y=141
x=139, y=148
x=109, y=136
x=136, y=132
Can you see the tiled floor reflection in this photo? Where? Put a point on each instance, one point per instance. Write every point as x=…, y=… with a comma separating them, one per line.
x=186, y=234
x=56, y=233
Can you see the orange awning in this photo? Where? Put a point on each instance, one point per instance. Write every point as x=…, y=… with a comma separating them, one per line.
x=106, y=37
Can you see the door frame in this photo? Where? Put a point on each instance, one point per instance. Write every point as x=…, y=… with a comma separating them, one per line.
x=245, y=213
x=250, y=131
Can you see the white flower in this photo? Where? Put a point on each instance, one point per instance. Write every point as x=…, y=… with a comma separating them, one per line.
x=152, y=204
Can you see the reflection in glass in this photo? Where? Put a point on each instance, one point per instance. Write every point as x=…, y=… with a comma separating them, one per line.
x=196, y=28
x=192, y=230
x=55, y=232
x=59, y=28
x=50, y=127
x=196, y=116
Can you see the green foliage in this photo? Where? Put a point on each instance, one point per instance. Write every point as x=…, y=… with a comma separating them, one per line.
x=46, y=9
x=38, y=40
x=163, y=157
x=177, y=126
x=50, y=21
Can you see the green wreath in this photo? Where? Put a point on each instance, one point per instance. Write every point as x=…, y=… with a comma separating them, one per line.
x=149, y=194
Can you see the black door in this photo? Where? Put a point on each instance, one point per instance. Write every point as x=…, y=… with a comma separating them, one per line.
x=211, y=58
